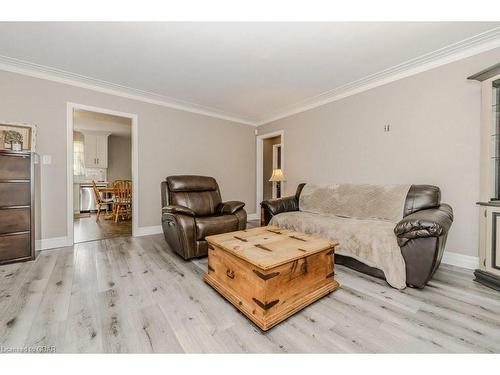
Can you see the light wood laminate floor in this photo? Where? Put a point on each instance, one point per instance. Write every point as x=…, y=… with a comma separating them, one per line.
x=135, y=295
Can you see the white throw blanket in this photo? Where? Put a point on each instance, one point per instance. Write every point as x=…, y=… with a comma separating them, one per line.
x=384, y=202
x=361, y=217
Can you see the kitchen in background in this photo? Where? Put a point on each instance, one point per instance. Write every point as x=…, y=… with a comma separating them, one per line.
x=102, y=155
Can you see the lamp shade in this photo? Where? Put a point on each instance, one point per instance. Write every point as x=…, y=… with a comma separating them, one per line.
x=277, y=176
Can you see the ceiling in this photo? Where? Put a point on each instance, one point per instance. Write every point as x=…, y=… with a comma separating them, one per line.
x=246, y=71
x=93, y=121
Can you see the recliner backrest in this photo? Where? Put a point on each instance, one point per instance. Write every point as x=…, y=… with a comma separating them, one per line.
x=357, y=201
x=419, y=197
x=199, y=193
x=422, y=197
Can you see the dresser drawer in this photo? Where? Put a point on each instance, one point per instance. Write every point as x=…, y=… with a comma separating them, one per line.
x=15, y=167
x=15, y=194
x=15, y=220
x=15, y=246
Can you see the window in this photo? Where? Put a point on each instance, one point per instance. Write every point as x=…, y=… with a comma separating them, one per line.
x=78, y=159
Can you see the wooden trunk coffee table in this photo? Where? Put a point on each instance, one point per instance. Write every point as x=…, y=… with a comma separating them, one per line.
x=269, y=273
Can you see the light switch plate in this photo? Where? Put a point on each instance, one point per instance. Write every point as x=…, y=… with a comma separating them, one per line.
x=47, y=159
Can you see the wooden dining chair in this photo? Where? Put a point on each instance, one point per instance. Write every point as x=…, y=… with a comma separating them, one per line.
x=100, y=201
x=122, y=199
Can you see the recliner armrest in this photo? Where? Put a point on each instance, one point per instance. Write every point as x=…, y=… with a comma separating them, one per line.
x=279, y=205
x=230, y=207
x=432, y=222
x=176, y=209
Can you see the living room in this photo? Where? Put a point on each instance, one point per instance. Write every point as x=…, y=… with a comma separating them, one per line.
x=331, y=192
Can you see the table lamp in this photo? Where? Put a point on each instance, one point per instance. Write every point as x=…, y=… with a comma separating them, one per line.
x=277, y=177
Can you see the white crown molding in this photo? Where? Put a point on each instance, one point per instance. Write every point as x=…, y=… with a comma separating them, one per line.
x=468, y=47
x=13, y=65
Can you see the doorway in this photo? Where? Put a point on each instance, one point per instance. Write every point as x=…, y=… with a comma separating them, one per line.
x=101, y=167
x=271, y=162
x=270, y=166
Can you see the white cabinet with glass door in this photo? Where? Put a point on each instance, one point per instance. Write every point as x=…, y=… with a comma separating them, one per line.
x=489, y=218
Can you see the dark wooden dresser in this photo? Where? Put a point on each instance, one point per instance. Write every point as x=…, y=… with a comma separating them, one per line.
x=17, y=206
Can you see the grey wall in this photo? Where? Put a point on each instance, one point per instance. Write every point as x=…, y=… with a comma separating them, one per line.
x=170, y=142
x=434, y=139
x=119, y=158
x=434, y=118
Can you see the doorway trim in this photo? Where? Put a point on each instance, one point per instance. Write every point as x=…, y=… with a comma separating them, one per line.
x=259, y=167
x=275, y=165
x=70, y=107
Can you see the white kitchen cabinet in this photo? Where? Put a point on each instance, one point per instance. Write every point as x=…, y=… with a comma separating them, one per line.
x=90, y=150
x=102, y=151
x=96, y=150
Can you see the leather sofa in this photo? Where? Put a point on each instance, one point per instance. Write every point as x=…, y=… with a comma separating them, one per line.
x=421, y=234
x=192, y=210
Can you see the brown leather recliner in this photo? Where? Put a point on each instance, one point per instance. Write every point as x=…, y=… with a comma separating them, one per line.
x=192, y=210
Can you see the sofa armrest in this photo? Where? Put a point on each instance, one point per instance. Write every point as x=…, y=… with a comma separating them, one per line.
x=279, y=205
x=176, y=209
x=274, y=207
x=432, y=222
x=230, y=207
x=180, y=233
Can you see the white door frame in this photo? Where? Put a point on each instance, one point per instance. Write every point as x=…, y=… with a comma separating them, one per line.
x=69, y=166
x=259, y=166
x=275, y=165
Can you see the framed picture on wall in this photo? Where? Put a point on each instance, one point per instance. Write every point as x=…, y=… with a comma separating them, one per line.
x=17, y=137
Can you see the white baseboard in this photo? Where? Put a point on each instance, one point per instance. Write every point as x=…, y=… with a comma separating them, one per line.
x=253, y=216
x=460, y=260
x=157, y=229
x=454, y=259
x=146, y=231
x=51, y=243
